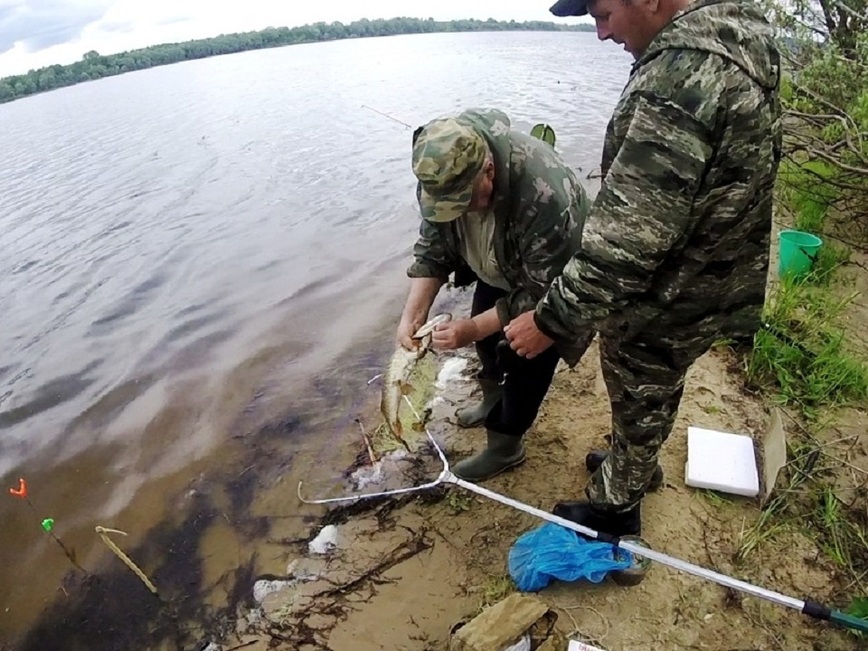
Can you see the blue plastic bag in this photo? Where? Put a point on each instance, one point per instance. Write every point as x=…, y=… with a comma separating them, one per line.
x=555, y=552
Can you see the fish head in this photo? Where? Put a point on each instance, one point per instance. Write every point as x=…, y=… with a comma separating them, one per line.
x=430, y=326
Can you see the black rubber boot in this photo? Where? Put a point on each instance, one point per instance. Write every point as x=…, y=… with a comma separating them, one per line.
x=504, y=451
x=628, y=523
x=595, y=459
x=475, y=414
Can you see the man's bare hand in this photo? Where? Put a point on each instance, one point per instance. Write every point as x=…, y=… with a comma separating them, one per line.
x=525, y=338
x=454, y=334
x=406, y=329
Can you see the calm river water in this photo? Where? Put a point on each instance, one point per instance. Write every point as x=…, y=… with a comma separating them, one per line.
x=202, y=265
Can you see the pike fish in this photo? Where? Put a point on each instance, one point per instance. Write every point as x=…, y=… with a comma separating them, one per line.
x=396, y=380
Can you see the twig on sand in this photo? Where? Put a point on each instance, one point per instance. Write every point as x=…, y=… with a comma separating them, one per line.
x=775, y=639
x=103, y=533
x=367, y=441
x=576, y=631
x=858, y=581
x=242, y=646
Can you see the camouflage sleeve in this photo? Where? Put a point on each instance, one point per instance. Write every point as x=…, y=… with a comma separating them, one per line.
x=643, y=209
x=432, y=255
x=549, y=235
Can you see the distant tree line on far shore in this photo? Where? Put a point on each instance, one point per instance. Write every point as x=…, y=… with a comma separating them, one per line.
x=94, y=65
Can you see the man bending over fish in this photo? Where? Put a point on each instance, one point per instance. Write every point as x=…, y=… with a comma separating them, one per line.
x=499, y=207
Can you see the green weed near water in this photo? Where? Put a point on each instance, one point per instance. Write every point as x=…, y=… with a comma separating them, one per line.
x=458, y=501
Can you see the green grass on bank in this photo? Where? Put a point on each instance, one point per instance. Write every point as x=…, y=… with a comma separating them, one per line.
x=801, y=360
x=801, y=357
x=803, y=187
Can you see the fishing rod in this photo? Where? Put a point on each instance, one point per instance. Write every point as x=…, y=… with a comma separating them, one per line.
x=542, y=131
x=806, y=607
x=386, y=115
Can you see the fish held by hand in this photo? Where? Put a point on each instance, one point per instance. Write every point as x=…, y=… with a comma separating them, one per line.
x=396, y=379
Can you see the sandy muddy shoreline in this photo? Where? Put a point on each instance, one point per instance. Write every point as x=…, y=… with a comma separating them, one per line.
x=406, y=570
x=236, y=569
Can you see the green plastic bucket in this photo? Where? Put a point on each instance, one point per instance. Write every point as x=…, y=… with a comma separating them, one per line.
x=797, y=254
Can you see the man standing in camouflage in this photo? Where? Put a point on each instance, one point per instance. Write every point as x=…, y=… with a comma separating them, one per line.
x=499, y=207
x=675, y=251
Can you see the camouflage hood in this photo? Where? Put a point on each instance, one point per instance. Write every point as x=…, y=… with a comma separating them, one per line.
x=676, y=248
x=733, y=29
x=494, y=126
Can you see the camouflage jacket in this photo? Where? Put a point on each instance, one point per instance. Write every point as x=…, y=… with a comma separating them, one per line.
x=539, y=210
x=677, y=241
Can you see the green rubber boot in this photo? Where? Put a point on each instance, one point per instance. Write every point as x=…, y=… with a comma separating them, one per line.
x=475, y=414
x=503, y=452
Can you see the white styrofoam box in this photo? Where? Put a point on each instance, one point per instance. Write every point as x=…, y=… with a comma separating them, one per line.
x=575, y=645
x=721, y=461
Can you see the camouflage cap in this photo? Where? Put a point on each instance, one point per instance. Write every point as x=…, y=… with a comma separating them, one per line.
x=569, y=8
x=448, y=154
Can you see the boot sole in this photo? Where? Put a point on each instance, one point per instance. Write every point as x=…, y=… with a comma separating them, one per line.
x=475, y=480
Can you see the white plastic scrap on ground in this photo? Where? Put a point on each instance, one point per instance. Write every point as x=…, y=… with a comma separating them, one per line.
x=263, y=588
x=522, y=645
x=451, y=372
x=377, y=472
x=306, y=569
x=326, y=540
x=435, y=401
x=575, y=645
x=367, y=475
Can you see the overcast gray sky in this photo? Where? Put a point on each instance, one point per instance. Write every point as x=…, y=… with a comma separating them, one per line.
x=37, y=33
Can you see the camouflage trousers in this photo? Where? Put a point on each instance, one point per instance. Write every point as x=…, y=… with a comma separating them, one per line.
x=645, y=380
